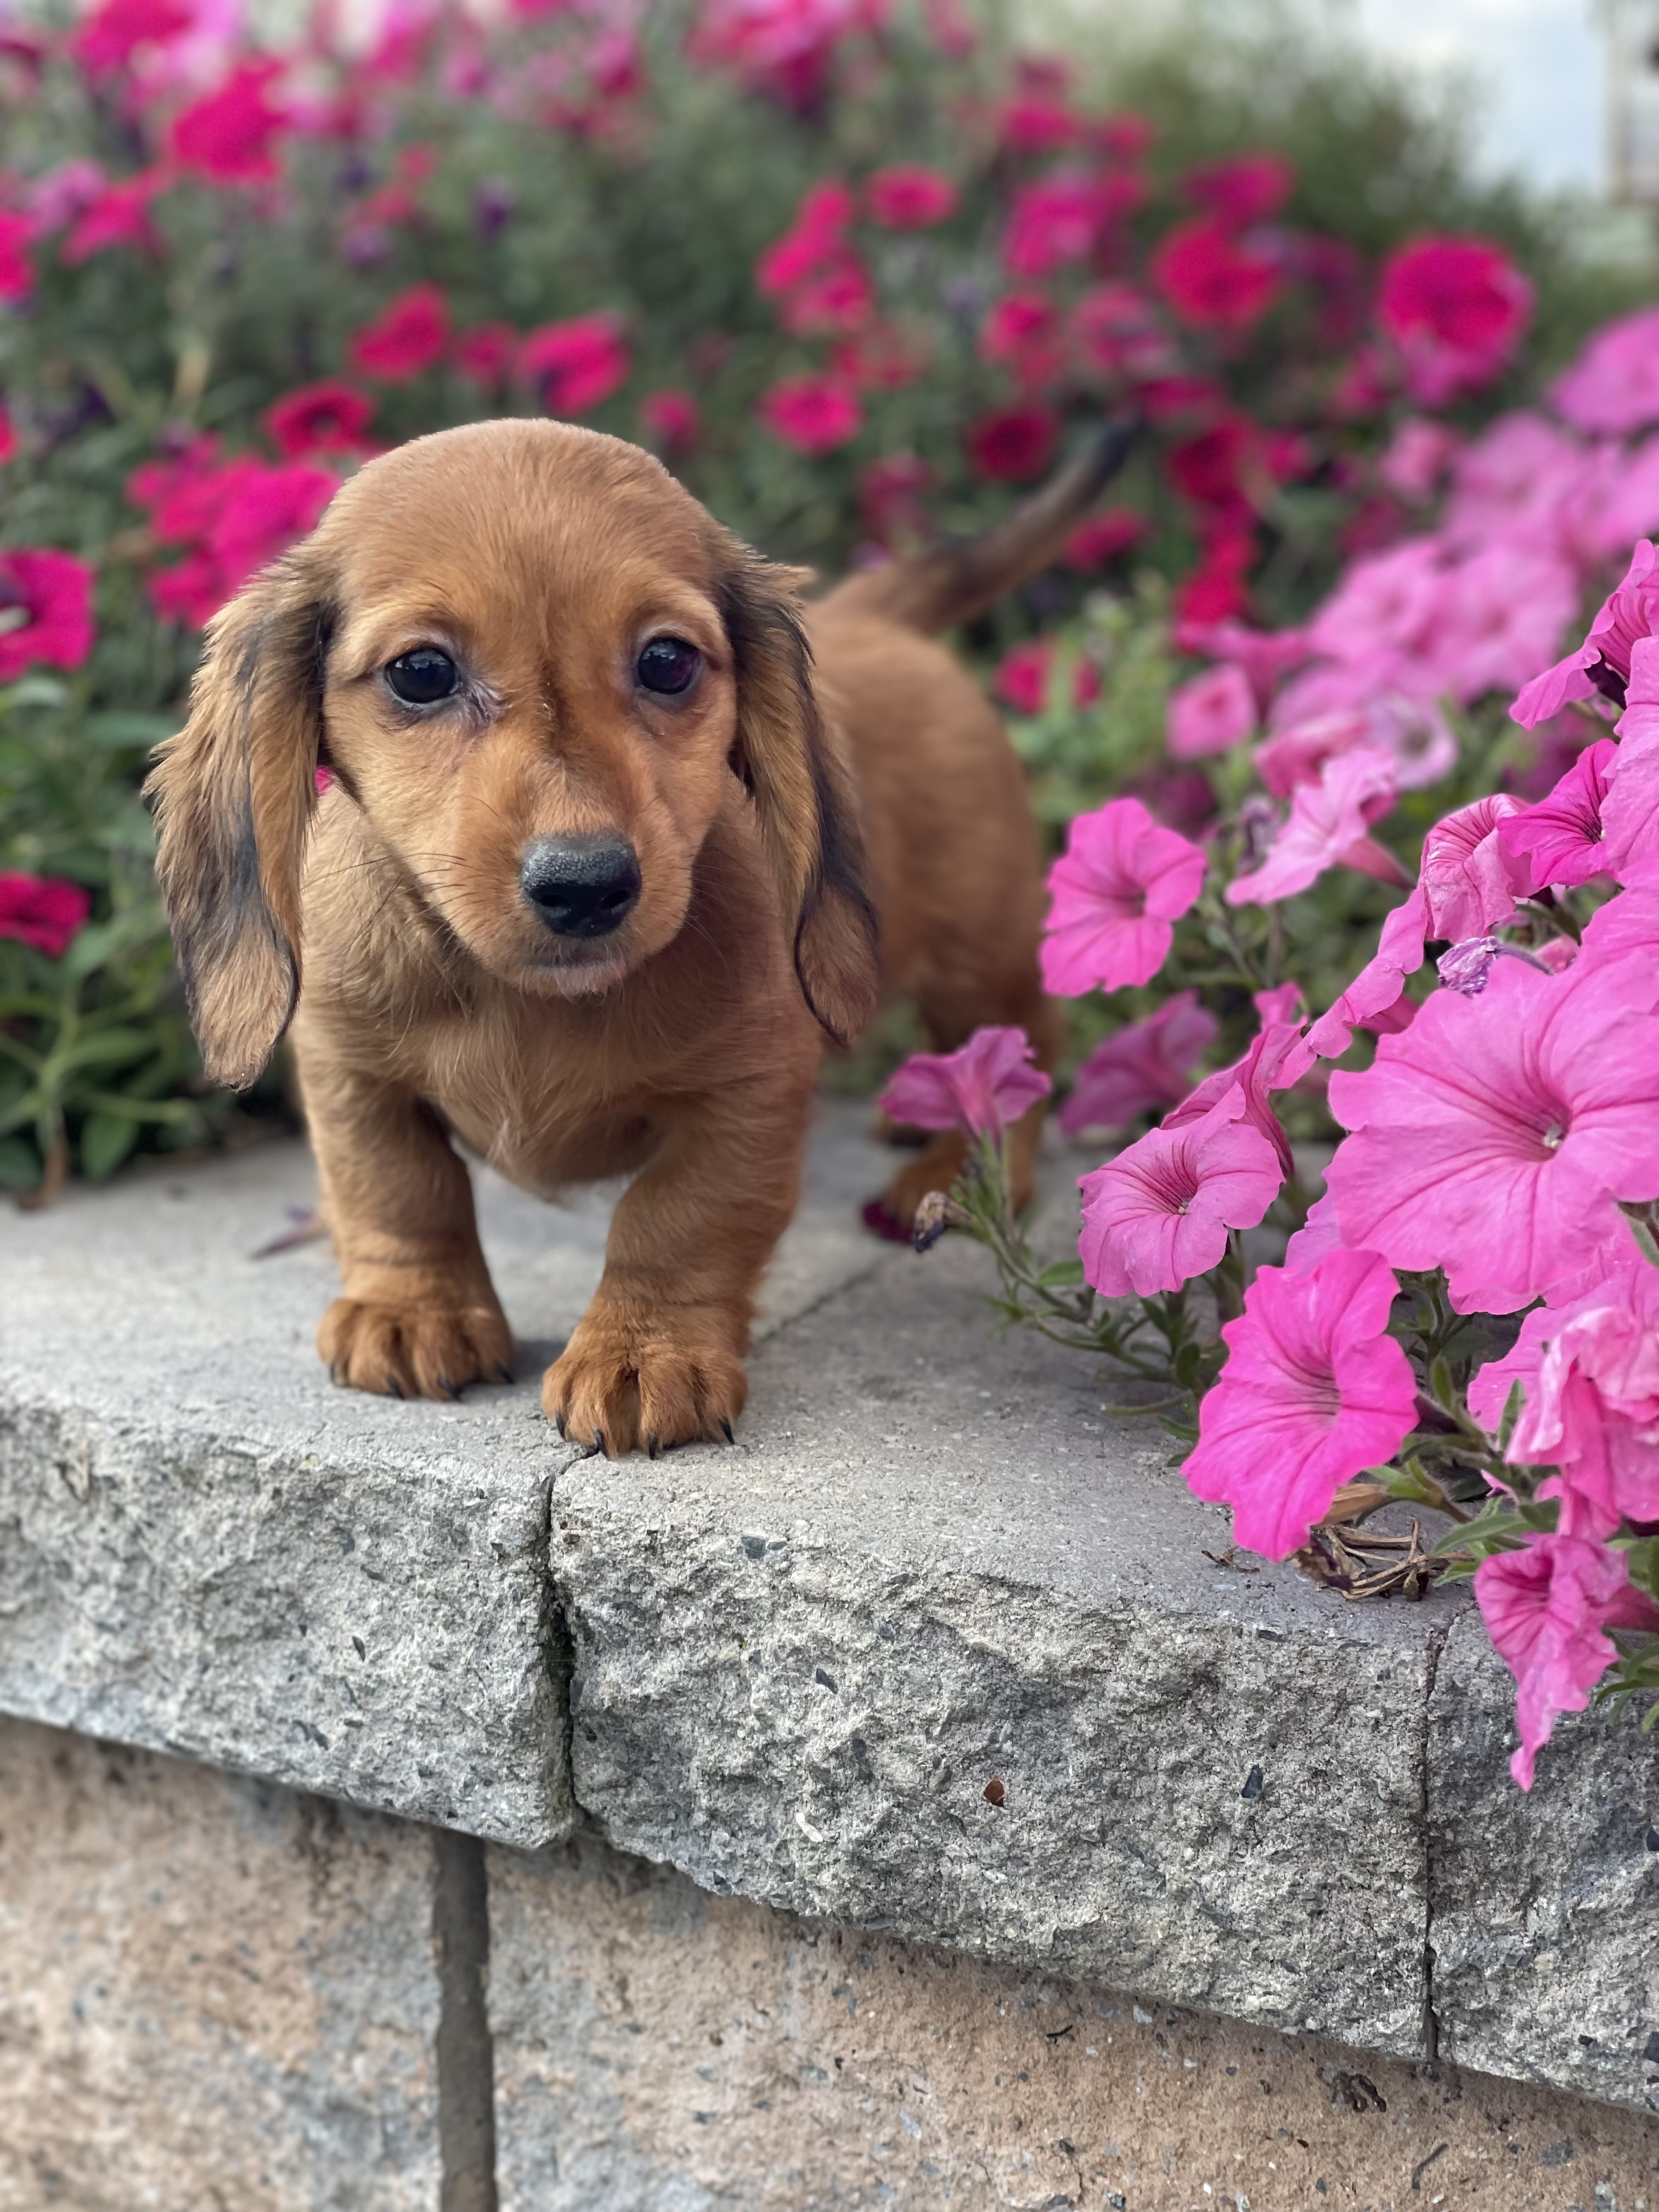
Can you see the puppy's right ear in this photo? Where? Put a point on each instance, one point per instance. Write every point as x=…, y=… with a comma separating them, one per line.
x=232, y=795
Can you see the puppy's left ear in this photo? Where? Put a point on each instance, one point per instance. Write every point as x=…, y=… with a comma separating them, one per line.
x=803, y=796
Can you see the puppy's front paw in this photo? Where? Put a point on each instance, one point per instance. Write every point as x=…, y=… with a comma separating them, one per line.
x=415, y=1352
x=628, y=1381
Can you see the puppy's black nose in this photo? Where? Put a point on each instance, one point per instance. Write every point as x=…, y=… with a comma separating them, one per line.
x=581, y=886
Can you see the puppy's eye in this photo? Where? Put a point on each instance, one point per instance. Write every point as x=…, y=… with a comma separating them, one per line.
x=421, y=678
x=668, y=664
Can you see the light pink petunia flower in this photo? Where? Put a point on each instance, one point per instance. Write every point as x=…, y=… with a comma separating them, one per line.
x=1547, y=1610
x=1613, y=388
x=1495, y=1137
x=1314, y=1392
x=1148, y=1063
x=981, y=1087
x=1589, y=1371
x=1560, y=840
x=1210, y=713
x=1602, y=663
x=1264, y=655
x=1278, y=1056
x=1379, y=982
x=1113, y=894
x=1629, y=804
x=1328, y=826
x=1159, y=1214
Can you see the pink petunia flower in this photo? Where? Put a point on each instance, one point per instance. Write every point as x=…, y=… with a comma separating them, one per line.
x=1314, y=1392
x=17, y=233
x=1602, y=663
x=909, y=196
x=673, y=418
x=1456, y=309
x=1418, y=454
x=1113, y=896
x=1279, y=1056
x=1560, y=840
x=46, y=611
x=1246, y=188
x=813, y=414
x=1159, y=1212
x=1266, y=656
x=1103, y=536
x=1051, y=222
x=981, y=1087
x=1547, y=1609
x=1497, y=1135
x=1012, y=443
x=1590, y=1373
x=1328, y=827
x=1213, y=278
x=1613, y=388
x=573, y=366
x=485, y=353
x=230, y=134
x=1210, y=713
x=319, y=419
x=119, y=217
x=1630, y=803
x=817, y=236
x=107, y=38
x=44, y=911
x=1145, y=1064
x=409, y=335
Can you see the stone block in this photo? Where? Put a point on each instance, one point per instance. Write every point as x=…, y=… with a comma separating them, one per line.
x=216, y=1995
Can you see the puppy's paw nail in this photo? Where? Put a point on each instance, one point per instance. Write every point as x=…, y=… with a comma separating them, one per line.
x=652, y=1446
x=450, y=1389
x=558, y=1423
x=503, y=1374
x=599, y=1444
x=394, y=1388
x=725, y=1429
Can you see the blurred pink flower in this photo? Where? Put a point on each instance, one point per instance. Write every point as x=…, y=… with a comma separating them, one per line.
x=1244, y=190
x=7, y=434
x=230, y=134
x=45, y=610
x=981, y=1087
x=1602, y=663
x=106, y=39
x=1024, y=672
x=1560, y=840
x=1455, y=308
x=1103, y=536
x=840, y=300
x=813, y=414
x=1418, y=456
x=1210, y=713
x=1148, y=1063
x=1613, y=388
x=1381, y=611
x=485, y=353
x=1012, y=443
x=1498, y=612
x=1590, y=1372
x=1497, y=1135
x=44, y=911
x=265, y=510
x=1117, y=328
x=1159, y=1212
x=120, y=216
x=319, y=419
x=1113, y=896
x=1051, y=222
x=1328, y=827
x=1265, y=655
x=409, y=335
x=1213, y=279
x=673, y=418
x=573, y=366
x=815, y=238
x=1413, y=731
x=908, y=196
x=16, y=270
x=1021, y=332
x=1314, y=1392
x=1548, y=1608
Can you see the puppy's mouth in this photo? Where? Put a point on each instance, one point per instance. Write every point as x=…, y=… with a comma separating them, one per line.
x=579, y=974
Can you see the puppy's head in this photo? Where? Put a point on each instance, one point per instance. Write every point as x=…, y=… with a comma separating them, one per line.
x=534, y=663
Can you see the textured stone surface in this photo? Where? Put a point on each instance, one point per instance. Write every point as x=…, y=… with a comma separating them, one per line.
x=216, y=1995
x=1546, y=1925
x=799, y=1666
x=205, y=1547
x=660, y=2050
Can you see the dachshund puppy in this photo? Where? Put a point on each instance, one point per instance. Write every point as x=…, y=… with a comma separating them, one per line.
x=601, y=865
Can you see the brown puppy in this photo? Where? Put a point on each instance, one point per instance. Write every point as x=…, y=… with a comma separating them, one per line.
x=599, y=868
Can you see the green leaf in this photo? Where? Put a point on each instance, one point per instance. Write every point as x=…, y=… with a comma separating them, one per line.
x=20, y=1164
x=105, y=1140
x=1062, y=1275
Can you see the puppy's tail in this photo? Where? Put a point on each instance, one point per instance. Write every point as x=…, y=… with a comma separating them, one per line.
x=958, y=578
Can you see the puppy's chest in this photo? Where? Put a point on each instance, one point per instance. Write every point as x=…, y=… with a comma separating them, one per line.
x=546, y=1135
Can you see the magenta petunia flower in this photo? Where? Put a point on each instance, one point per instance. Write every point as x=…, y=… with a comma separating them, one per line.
x=1121, y=882
x=119, y=217
x=1159, y=1214
x=1011, y=444
x=1279, y=1056
x=409, y=335
x=319, y=419
x=229, y=135
x=1602, y=663
x=46, y=611
x=1560, y=840
x=813, y=414
x=673, y=417
x=44, y=911
x=1467, y=884
x=1547, y=1609
x=1630, y=804
x=574, y=366
x=1455, y=308
x=1494, y=1137
x=1590, y=1372
x=909, y=196
x=485, y=353
x=981, y=1087
x=1314, y=1392
x=1210, y=713
x=1264, y=655
x=1213, y=278
x=1148, y=1063
x=1328, y=826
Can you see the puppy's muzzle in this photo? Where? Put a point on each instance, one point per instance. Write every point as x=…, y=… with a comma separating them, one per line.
x=581, y=886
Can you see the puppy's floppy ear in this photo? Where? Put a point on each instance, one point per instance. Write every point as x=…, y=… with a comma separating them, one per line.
x=803, y=796
x=233, y=794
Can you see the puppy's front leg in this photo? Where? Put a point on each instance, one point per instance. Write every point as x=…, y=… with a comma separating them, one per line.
x=419, y=1317
x=657, y=1359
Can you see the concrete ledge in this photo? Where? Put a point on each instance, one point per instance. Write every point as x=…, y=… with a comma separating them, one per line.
x=793, y=1669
